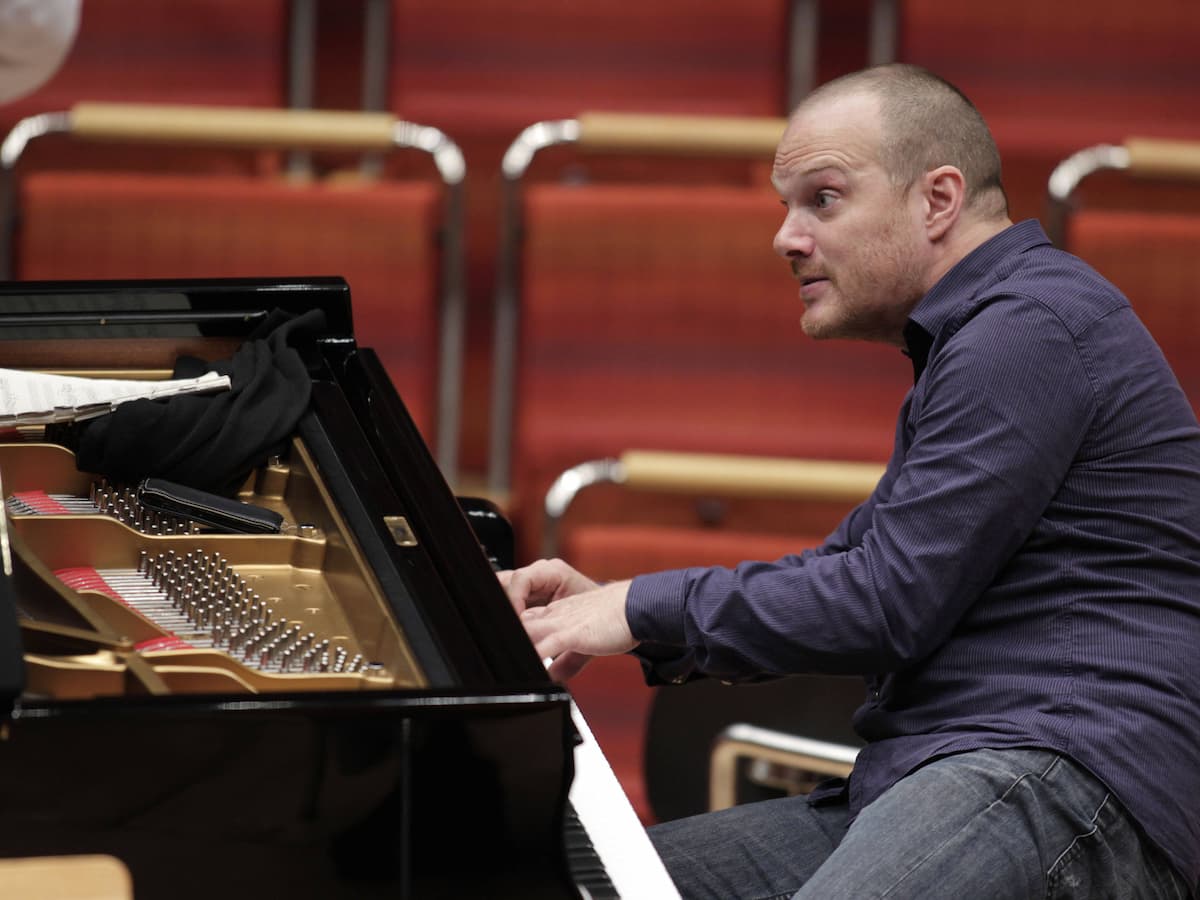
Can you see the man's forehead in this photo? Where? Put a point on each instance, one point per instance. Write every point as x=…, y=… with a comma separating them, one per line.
x=860, y=105
x=838, y=133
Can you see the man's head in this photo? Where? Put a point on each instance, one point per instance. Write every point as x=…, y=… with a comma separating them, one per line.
x=889, y=177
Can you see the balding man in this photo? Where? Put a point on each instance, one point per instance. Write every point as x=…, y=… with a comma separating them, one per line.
x=1021, y=591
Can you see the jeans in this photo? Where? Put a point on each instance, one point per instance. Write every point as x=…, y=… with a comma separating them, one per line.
x=974, y=826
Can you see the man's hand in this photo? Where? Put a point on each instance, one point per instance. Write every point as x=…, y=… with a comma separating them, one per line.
x=568, y=616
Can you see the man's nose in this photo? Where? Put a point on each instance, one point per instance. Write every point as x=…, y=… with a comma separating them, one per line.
x=793, y=239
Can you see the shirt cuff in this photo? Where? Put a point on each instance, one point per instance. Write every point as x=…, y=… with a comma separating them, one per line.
x=654, y=607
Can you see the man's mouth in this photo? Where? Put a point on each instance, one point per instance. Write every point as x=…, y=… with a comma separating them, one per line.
x=812, y=287
x=806, y=279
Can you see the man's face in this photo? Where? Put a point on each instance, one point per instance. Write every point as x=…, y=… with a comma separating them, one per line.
x=852, y=238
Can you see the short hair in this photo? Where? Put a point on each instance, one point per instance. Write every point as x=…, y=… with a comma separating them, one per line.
x=927, y=122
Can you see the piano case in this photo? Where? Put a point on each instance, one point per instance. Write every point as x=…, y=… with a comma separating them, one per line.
x=346, y=708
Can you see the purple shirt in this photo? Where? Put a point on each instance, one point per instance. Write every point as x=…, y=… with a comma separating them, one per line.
x=1027, y=571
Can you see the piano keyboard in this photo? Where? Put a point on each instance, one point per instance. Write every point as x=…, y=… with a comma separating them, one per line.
x=613, y=830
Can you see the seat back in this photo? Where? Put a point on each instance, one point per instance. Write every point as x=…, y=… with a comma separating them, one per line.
x=1052, y=77
x=1057, y=76
x=659, y=318
x=504, y=65
x=382, y=238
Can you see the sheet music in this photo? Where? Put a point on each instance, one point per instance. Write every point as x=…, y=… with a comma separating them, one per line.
x=37, y=398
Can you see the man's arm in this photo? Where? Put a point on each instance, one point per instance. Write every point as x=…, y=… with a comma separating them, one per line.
x=1002, y=416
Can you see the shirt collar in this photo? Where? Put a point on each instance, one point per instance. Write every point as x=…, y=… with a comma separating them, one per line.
x=973, y=273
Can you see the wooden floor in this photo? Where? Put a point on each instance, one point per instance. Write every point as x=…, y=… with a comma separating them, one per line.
x=615, y=701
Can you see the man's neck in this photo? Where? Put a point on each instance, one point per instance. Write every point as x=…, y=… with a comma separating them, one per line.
x=967, y=234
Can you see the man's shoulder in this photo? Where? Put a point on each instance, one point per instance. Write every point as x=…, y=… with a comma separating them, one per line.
x=1046, y=281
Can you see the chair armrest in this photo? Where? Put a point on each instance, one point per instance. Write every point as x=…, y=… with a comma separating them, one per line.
x=710, y=474
x=742, y=741
x=1139, y=157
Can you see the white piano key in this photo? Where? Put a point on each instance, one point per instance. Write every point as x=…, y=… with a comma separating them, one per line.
x=615, y=830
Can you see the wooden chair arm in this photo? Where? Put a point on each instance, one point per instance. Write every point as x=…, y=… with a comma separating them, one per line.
x=688, y=135
x=1154, y=158
x=233, y=127
x=750, y=476
x=725, y=475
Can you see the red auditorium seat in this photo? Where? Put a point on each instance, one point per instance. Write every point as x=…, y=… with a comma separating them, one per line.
x=397, y=243
x=659, y=318
x=1053, y=77
x=501, y=65
x=482, y=70
x=381, y=238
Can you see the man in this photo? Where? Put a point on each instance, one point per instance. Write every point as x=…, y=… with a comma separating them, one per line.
x=1022, y=589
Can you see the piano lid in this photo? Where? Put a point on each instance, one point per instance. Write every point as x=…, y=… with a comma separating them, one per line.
x=166, y=307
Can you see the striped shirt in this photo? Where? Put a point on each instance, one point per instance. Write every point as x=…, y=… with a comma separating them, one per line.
x=1027, y=571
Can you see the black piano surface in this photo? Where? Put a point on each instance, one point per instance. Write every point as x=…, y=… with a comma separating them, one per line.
x=454, y=785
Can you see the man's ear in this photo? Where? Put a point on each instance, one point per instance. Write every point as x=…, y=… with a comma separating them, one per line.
x=945, y=193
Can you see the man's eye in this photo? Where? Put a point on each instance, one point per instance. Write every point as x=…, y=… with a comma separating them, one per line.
x=824, y=199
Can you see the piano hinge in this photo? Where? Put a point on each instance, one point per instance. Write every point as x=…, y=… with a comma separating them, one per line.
x=402, y=533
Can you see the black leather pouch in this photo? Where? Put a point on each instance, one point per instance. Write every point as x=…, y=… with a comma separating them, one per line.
x=211, y=510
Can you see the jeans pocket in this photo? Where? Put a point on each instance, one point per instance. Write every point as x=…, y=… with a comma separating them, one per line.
x=1112, y=861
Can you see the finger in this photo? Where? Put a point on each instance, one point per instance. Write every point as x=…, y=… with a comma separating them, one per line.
x=567, y=665
x=547, y=646
x=520, y=588
x=534, y=585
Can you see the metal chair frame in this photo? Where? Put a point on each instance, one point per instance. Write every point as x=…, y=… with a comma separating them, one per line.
x=1140, y=157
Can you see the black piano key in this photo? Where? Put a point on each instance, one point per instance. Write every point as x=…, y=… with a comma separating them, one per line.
x=586, y=866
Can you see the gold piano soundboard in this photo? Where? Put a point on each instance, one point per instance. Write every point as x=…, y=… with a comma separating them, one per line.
x=124, y=607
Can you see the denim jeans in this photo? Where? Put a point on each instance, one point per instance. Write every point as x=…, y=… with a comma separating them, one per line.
x=987, y=824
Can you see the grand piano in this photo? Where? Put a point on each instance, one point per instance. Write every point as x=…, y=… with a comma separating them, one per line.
x=344, y=705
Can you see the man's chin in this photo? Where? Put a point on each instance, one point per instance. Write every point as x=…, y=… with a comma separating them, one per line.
x=819, y=328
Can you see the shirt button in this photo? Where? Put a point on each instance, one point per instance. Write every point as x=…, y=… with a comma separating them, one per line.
x=679, y=679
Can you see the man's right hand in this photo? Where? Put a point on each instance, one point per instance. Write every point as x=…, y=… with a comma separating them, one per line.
x=568, y=617
x=542, y=582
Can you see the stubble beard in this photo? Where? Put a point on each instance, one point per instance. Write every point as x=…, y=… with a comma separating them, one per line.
x=863, y=311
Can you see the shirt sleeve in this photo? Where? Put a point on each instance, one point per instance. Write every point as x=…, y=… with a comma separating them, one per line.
x=981, y=450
